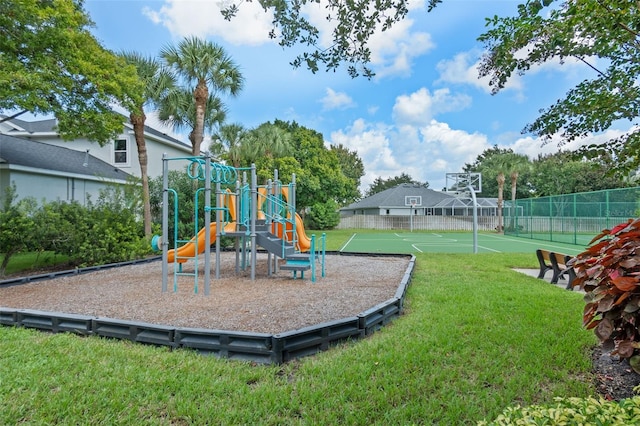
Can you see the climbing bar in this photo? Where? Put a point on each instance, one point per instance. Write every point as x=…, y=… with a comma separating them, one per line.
x=220, y=173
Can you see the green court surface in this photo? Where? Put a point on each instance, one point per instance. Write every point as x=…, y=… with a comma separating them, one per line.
x=449, y=242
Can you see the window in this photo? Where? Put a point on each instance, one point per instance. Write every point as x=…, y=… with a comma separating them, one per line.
x=121, y=151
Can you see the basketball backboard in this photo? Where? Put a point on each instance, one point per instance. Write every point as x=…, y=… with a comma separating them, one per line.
x=461, y=182
x=413, y=200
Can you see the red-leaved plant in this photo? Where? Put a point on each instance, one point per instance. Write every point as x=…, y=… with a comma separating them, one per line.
x=609, y=272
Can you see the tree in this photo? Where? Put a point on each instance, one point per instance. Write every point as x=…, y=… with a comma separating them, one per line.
x=52, y=64
x=321, y=177
x=380, y=184
x=226, y=143
x=495, y=164
x=603, y=36
x=562, y=173
x=206, y=70
x=156, y=83
x=352, y=167
x=490, y=162
x=355, y=22
x=178, y=111
x=266, y=140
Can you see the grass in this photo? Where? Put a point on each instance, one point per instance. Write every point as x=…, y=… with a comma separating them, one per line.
x=477, y=337
x=33, y=260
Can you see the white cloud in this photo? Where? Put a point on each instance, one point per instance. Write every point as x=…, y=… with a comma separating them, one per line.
x=393, y=51
x=421, y=106
x=532, y=146
x=251, y=26
x=463, y=69
x=336, y=100
x=425, y=152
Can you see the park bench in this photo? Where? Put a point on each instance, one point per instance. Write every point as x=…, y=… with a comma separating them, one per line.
x=556, y=262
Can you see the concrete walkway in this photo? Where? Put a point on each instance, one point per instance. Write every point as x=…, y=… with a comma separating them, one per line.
x=562, y=283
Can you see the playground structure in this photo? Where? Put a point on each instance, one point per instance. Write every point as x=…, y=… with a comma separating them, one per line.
x=255, y=216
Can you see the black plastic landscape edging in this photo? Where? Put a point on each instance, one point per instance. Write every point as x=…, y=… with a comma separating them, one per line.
x=260, y=348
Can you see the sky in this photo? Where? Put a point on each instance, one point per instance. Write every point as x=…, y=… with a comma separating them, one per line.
x=426, y=113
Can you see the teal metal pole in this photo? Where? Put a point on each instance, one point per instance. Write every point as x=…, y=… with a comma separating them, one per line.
x=165, y=221
x=207, y=224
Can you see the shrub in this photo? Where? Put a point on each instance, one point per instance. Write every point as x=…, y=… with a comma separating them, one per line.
x=323, y=215
x=61, y=227
x=114, y=234
x=16, y=227
x=609, y=272
x=585, y=411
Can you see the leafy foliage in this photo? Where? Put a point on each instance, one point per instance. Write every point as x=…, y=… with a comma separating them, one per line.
x=609, y=271
x=15, y=227
x=592, y=32
x=563, y=173
x=354, y=23
x=323, y=216
x=352, y=167
x=106, y=231
x=116, y=234
x=321, y=176
x=493, y=161
x=567, y=411
x=52, y=64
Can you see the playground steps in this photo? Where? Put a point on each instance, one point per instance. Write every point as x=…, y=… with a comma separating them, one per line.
x=274, y=244
x=297, y=262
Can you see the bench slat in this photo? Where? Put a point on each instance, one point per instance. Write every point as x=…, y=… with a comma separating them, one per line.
x=556, y=262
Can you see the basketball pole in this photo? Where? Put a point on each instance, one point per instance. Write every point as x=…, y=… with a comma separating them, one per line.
x=475, y=219
x=413, y=204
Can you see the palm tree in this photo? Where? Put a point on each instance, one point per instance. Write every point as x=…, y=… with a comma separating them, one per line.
x=208, y=71
x=512, y=164
x=267, y=140
x=518, y=164
x=179, y=111
x=156, y=83
x=227, y=143
x=500, y=179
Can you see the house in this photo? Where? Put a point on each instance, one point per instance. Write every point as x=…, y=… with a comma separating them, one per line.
x=122, y=153
x=50, y=172
x=418, y=207
x=50, y=168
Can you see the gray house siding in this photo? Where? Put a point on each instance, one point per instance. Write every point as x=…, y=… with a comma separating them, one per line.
x=50, y=173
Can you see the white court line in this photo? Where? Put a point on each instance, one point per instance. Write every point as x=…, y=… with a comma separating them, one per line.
x=434, y=243
x=347, y=243
x=490, y=249
x=532, y=242
x=414, y=246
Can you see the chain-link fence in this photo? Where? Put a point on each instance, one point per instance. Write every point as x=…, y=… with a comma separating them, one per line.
x=571, y=218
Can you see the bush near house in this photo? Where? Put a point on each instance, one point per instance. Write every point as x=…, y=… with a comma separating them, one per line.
x=106, y=231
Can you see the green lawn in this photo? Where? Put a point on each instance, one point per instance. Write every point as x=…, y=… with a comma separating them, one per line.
x=33, y=261
x=476, y=337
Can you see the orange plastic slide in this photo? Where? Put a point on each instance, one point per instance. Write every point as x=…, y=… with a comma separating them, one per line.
x=189, y=249
x=304, y=242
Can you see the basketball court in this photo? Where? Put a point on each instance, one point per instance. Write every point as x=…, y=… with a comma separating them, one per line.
x=448, y=242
